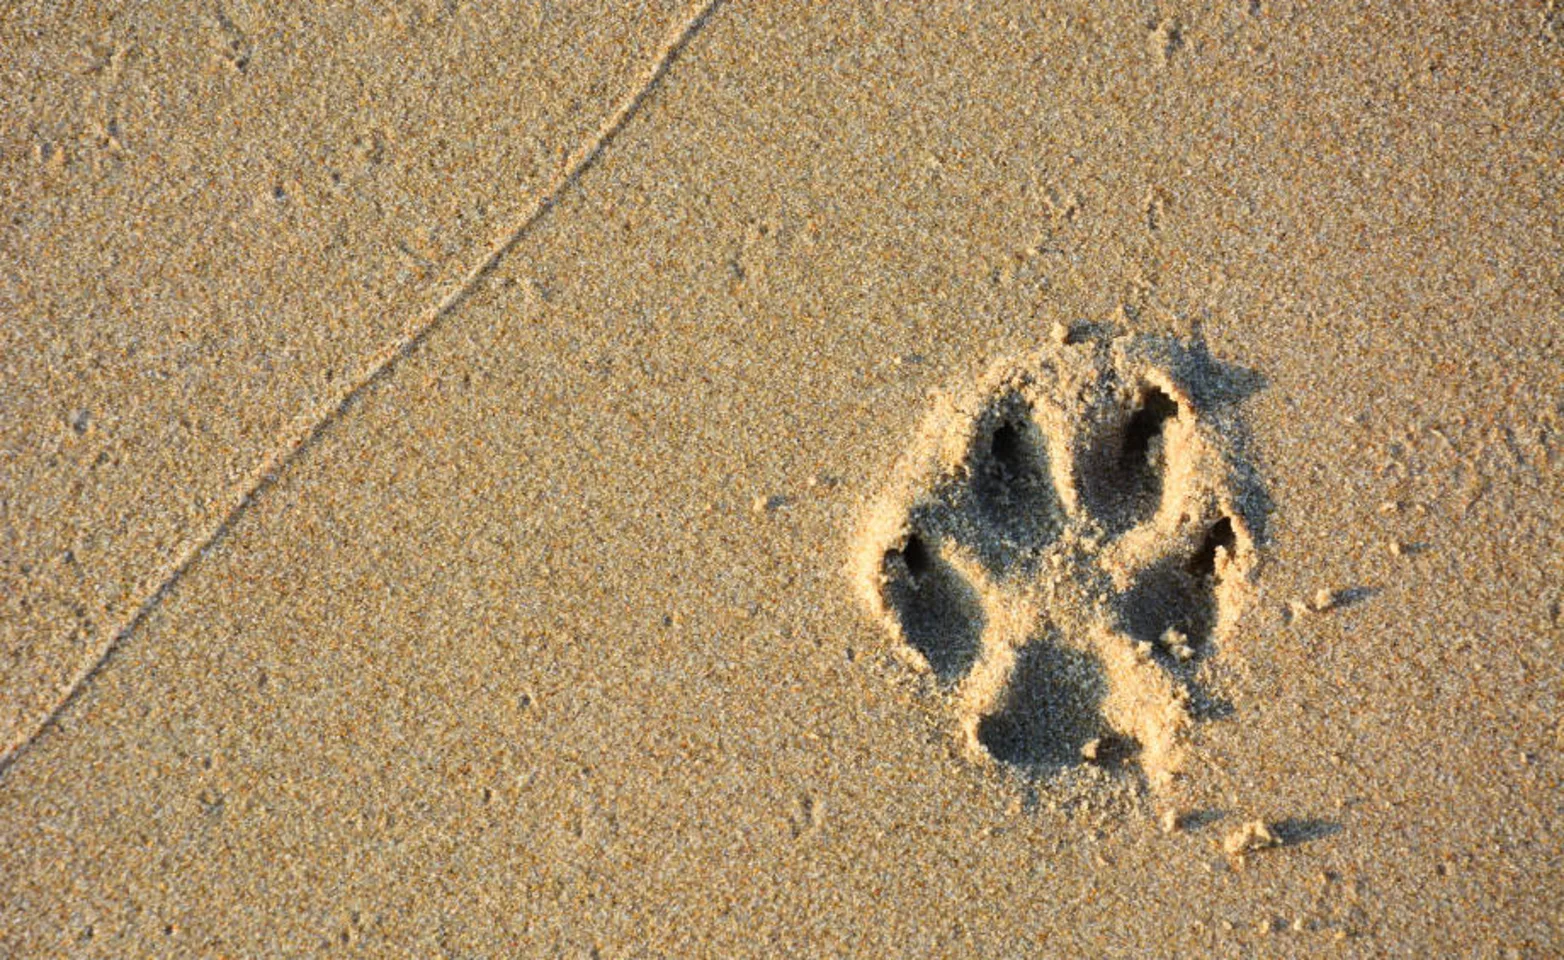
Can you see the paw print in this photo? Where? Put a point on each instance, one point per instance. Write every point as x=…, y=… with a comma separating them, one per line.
x=1062, y=548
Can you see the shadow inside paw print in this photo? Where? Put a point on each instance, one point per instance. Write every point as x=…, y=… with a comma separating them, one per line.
x=941, y=616
x=1121, y=478
x=1011, y=487
x=1062, y=548
x=1049, y=712
x=1179, y=594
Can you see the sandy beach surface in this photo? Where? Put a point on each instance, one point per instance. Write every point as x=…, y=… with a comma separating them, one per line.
x=738, y=479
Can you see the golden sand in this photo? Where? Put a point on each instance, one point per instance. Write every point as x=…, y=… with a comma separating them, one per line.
x=458, y=466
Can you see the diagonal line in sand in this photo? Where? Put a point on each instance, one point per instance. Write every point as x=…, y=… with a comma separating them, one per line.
x=303, y=435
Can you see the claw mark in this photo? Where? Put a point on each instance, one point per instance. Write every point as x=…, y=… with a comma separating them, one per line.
x=1065, y=651
x=1010, y=484
x=1141, y=457
x=1219, y=544
x=1122, y=479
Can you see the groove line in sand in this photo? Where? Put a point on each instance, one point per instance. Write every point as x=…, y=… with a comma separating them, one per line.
x=302, y=435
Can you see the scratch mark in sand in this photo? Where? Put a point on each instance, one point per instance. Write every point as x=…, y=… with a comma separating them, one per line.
x=304, y=434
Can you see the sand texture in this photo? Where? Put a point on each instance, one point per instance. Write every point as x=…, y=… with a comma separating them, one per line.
x=750, y=479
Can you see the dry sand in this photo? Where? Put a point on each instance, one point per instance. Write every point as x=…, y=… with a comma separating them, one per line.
x=457, y=466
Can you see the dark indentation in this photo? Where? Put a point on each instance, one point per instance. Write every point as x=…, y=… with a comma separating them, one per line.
x=1294, y=830
x=1219, y=537
x=1168, y=596
x=1010, y=482
x=941, y=615
x=1144, y=431
x=916, y=555
x=1207, y=708
x=1122, y=481
x=1006, y=447
x=1353, y=595
x=1051, y=711
x=1196, y=820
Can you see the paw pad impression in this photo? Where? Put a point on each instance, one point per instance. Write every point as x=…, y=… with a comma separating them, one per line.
x=1062, y=548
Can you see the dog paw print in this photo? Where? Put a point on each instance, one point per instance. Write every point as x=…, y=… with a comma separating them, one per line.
x=1062, y=549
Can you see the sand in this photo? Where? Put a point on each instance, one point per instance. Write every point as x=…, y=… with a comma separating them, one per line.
x=1059, y=546
x=440, y=447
